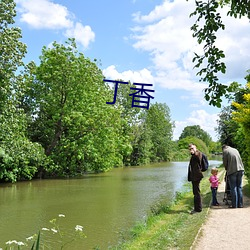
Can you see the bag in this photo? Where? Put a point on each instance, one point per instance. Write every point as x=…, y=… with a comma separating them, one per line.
x=204, y=163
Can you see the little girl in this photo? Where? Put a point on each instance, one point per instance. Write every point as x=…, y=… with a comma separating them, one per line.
x=214, y=185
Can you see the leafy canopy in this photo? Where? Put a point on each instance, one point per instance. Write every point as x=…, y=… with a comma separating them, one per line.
x=205, y=28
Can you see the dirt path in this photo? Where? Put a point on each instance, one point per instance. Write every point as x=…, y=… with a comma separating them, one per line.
x=225, y=228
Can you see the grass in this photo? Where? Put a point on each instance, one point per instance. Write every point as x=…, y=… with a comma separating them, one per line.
x=170, y=226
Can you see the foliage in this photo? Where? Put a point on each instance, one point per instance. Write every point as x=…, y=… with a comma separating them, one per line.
x=160, y=128
x=215, y=148
x=241, y=115
x=201, y=146
x=205, y=28
x=196, y=131
x=227, y=127
x=69, y=115
x=149, y=131
x=170, y=226
x=20, y=158
x=54, y=119
x=132, y=129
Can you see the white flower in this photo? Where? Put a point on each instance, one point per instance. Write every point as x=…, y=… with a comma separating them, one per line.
x=29, y=238
x=61, y=215
x=20, y=243
x=45, y=229
x=10, y=242
x=78, y=228
x=54, y=230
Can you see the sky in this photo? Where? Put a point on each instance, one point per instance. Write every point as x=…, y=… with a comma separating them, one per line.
x=143, y=41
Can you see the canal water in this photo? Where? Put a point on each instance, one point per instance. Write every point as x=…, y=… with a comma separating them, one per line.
x=105, y=204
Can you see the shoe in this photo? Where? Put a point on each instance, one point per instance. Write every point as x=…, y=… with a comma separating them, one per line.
x=194, y=212
x=231, y=207
x=217, y=204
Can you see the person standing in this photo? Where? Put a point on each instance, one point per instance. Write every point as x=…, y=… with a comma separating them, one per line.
x=195, y=175
x=235, y=170
x=214, y=181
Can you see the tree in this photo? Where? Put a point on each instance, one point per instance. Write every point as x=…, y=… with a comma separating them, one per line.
x=69, y=115
x=227, y=127
x=242, y=117
x=196, y=131
x=131, y=124
x=159, y=124
x=208, y=23
x=184, y=142
x=19, y=157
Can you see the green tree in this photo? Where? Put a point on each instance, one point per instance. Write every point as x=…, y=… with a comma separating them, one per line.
x=207, y=25
x=70, y=117
x=159, y=124
x=241, y=116
x=183, y=144
x=227, y=127
x=19, y=157
x=196, y=131
x=131, y=124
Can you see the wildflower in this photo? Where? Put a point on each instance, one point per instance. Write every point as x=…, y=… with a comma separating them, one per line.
x=54, y=230
x=10, y=242
x=61, y=215
x=20, y=243
x=78, y=228
x=29, y=238
x=45, y=229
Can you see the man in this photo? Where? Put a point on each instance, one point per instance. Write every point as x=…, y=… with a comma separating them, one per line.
x=235, y=169
x=195, y=175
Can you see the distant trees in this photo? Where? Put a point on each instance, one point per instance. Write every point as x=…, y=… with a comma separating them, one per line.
x=183, y=144
x=196, y=131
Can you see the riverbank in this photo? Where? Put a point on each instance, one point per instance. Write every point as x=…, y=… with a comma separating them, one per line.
x=173, y=227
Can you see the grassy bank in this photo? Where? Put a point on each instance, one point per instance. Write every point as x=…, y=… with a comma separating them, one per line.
x=170, y=227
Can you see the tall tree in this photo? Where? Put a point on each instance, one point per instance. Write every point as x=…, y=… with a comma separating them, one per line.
x=19, y=158
x=70, y=117
x=208, y=23
x=196, y=131
x=160, y=126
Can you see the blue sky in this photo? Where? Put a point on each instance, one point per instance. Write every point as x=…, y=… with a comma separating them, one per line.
x=146, y=41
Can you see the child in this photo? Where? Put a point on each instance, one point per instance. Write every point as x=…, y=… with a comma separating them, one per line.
x=214, y=185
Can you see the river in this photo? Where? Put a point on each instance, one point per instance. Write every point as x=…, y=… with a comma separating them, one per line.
x=105, y=204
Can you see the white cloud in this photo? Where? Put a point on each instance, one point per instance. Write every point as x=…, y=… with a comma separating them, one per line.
x=44, y=14
x=83, y=34
x=141, y=76
x=165, y=33
x=200, y=117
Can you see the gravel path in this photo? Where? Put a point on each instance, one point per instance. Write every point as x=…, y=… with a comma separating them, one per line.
x=225, y=228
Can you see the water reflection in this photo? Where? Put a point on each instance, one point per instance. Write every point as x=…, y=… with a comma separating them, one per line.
x=105, y=204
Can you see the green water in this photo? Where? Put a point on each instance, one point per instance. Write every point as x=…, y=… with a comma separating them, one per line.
x=104, y=204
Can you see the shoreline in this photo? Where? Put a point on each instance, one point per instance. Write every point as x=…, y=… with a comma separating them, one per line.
x=173, y=227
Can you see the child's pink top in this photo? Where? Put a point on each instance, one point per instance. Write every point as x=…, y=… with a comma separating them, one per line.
x=214, y=181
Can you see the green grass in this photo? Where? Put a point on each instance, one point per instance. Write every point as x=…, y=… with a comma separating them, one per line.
x=170, y=226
